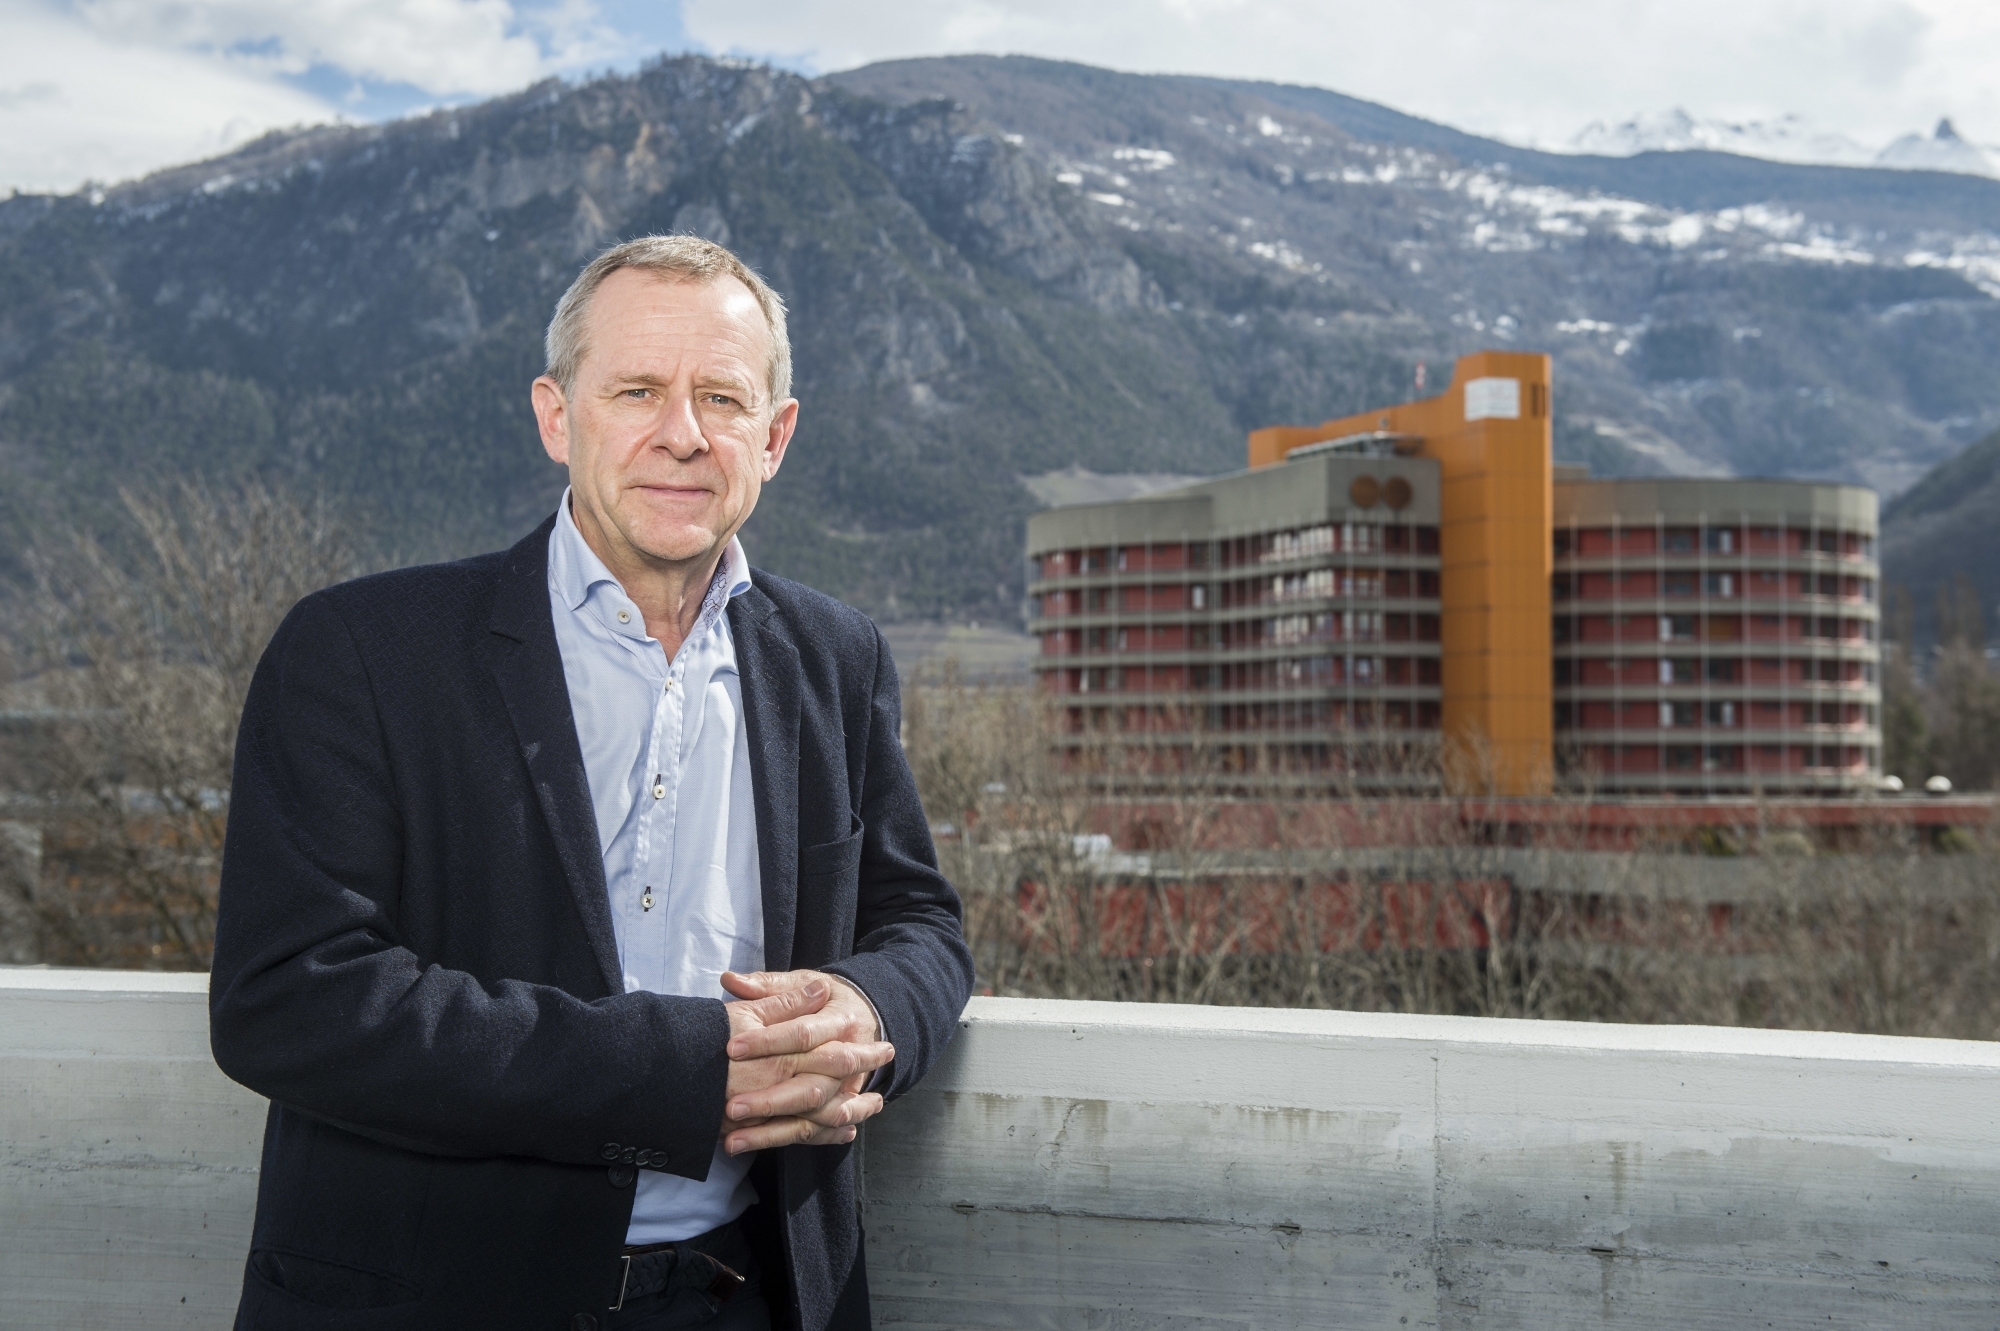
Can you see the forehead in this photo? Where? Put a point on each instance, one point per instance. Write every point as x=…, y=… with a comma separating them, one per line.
x=638, y=313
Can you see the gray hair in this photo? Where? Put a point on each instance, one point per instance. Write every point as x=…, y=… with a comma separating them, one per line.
x=682, y=258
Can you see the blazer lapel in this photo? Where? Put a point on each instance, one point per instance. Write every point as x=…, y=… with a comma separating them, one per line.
x=768, y=662
x=527, y=666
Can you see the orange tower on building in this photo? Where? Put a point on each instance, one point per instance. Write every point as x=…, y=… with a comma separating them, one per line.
x=1489, y=433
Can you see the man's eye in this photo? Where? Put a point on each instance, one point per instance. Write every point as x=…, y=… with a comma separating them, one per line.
x=638, y=394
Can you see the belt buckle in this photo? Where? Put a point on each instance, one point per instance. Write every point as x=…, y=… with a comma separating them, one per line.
x=624, y=1279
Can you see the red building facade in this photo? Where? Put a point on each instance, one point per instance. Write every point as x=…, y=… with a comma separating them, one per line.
x=1716, y=636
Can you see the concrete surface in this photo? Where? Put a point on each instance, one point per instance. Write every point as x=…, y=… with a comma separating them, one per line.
x=1081, y=1165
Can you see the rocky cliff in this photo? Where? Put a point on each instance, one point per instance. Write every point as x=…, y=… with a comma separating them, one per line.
x=997, y=268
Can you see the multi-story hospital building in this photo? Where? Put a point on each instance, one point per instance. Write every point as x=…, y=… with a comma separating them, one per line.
x=1422, y=576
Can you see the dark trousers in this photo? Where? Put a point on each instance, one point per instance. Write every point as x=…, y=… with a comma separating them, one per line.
x=672, y=1309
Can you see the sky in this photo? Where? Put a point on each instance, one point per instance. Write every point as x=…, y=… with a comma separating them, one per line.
x=105, y=90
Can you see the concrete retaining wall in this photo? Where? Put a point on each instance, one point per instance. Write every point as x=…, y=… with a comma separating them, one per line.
x=1106, y=1165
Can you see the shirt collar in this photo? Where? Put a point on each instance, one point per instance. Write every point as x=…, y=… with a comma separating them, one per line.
x=574, y=568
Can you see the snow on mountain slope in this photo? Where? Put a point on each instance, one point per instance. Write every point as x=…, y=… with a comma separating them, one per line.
x=1944, y=150
x=1787, y=138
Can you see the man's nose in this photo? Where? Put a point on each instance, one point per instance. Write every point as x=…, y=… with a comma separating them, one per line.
x=680, y=428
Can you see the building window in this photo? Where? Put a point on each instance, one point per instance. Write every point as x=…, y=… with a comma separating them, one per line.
x=1198, y=597
x=1680, y=584
x=1721, y=540
x=1722, y=584
x=1680, y=541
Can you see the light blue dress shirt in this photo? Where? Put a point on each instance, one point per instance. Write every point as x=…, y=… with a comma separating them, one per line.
x=668, y=759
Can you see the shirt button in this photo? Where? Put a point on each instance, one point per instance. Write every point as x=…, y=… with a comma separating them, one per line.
x=659, y=792
x=624, y=616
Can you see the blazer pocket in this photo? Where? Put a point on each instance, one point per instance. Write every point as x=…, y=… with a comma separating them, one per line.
x=286, y=1291
x=831, y=858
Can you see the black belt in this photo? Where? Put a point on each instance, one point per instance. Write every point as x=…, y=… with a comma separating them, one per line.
x=680, y=1265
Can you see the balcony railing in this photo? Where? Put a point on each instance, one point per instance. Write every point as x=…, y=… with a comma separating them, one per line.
x=1094, y=1164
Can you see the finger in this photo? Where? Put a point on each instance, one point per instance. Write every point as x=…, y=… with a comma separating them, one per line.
x=745, y=986
x=841, y=1059
x=842, y=1066
x=786, y=1132
x=760, y=984
x=802, y=1094
x=837, y=1124
x=755, y=984
x=795, y=1036
x=844, y=1111
x=778, y=1008
x=836, y=1061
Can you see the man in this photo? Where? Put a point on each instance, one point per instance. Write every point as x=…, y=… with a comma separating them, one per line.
x=577, y=905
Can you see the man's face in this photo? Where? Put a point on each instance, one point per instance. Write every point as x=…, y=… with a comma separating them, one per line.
x=669, y=431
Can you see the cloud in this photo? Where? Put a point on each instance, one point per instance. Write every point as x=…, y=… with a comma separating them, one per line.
x=74, y=107
x=107, y=89
x=444, y=47
x=1534, y=71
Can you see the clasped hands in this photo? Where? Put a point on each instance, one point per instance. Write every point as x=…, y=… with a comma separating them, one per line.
x=801, y=1046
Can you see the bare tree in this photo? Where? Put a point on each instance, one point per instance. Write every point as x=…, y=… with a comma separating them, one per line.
x=1090, y=869
x=139, y=647
x=1964, y=695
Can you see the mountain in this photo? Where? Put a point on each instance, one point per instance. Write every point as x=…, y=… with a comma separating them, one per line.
x=1944, y=150
x=1785, y=139
x=998, y=269
x=1944, y=526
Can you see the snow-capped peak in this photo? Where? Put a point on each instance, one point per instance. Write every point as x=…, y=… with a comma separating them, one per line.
x=1787, y=138
x=1944, y=150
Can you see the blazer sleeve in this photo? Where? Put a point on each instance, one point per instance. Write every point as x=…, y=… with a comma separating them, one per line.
x=317, y=1003
x=910, y=956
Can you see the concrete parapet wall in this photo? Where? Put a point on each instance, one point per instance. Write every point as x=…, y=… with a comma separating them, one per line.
x=128, y=1162
x=1092, y=1164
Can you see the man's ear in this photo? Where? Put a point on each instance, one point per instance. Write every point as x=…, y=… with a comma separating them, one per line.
x=783, y=422
x=552, y=415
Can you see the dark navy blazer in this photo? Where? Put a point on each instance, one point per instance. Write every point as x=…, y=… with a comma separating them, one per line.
x=414, y=955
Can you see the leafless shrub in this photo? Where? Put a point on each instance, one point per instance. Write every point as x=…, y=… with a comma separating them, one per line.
x=1085, y=877
x=137, y=650
x=1941, y=708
